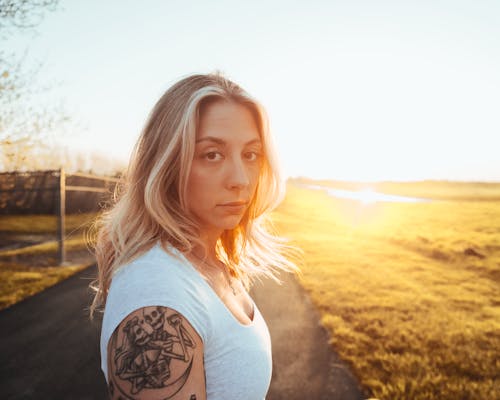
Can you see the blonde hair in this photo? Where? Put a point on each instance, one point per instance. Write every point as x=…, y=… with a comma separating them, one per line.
x=150, y=202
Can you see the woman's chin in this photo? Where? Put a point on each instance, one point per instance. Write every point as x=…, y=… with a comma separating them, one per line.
x=229, y=223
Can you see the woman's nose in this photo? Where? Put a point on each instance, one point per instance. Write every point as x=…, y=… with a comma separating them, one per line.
x=238, y=175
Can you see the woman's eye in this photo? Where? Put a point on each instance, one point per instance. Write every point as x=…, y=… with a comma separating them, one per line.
x=213, y=156
x=252, y=156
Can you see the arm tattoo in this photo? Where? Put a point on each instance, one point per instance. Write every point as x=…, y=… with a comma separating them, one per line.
x=142, y=351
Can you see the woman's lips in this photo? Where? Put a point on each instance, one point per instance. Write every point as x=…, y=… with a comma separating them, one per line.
x=235, y=203
x=234, y=207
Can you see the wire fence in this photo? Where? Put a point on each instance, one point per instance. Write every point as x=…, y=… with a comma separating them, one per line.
x=37, y=192
x=53, y=192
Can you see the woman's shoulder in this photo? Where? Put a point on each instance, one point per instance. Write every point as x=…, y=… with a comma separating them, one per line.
x=157, y=278
x=154, y=260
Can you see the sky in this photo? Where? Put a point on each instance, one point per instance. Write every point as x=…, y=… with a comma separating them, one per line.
x=355, y=90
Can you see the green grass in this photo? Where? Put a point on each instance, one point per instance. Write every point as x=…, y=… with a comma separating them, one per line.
x=415, y=315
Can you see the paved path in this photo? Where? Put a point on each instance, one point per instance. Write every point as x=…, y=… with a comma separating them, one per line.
x=49, y=349
x=304, y=367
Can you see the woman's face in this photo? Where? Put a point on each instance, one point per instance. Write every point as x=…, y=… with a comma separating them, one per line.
x=225, y=168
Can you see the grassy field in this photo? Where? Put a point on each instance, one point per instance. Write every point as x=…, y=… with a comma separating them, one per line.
x=409, y=292
x=29, y=269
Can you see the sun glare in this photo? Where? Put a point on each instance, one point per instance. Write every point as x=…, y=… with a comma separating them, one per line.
x=367, y=196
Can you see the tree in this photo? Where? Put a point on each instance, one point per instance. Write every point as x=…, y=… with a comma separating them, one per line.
x=24, y=13
x=24, y=126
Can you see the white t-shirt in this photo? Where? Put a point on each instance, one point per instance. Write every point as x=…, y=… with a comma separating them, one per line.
x=237, y=357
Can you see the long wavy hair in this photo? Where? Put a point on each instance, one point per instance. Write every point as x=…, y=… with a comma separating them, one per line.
x=149, y=204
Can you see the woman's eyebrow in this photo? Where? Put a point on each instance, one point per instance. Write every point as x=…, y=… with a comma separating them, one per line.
x=254, y=141
x=223, y=142
x=211, y=139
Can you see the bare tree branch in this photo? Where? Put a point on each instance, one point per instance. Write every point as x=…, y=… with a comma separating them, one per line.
x=24, y=14
x=25, y=125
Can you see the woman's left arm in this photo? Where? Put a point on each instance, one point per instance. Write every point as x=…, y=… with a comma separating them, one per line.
x=155, y=353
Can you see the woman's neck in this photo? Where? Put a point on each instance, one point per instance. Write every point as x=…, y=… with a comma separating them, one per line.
x=207, y=248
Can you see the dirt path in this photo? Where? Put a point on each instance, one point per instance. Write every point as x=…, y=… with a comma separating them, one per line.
x=304, y=367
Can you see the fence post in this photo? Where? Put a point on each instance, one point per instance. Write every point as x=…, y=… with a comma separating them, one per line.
x=61, y=215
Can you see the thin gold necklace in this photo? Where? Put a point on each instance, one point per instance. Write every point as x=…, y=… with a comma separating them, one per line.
x=226, y=274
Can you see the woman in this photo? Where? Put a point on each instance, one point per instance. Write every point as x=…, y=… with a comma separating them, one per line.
x=181, y=245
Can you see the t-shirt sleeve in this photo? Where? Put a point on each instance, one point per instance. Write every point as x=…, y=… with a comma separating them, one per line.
x=149, y=283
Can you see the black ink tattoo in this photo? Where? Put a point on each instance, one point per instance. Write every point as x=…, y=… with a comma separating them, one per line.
x=111, y=389
x=148, y=345
x=193, y=397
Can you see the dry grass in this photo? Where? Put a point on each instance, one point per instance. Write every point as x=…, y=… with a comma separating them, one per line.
x=32, y=268
x=37, y=224
x=18, y=281
x=409, y=292
x=50, y=247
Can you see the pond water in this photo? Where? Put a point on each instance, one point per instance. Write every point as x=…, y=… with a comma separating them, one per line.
x=367, y=195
